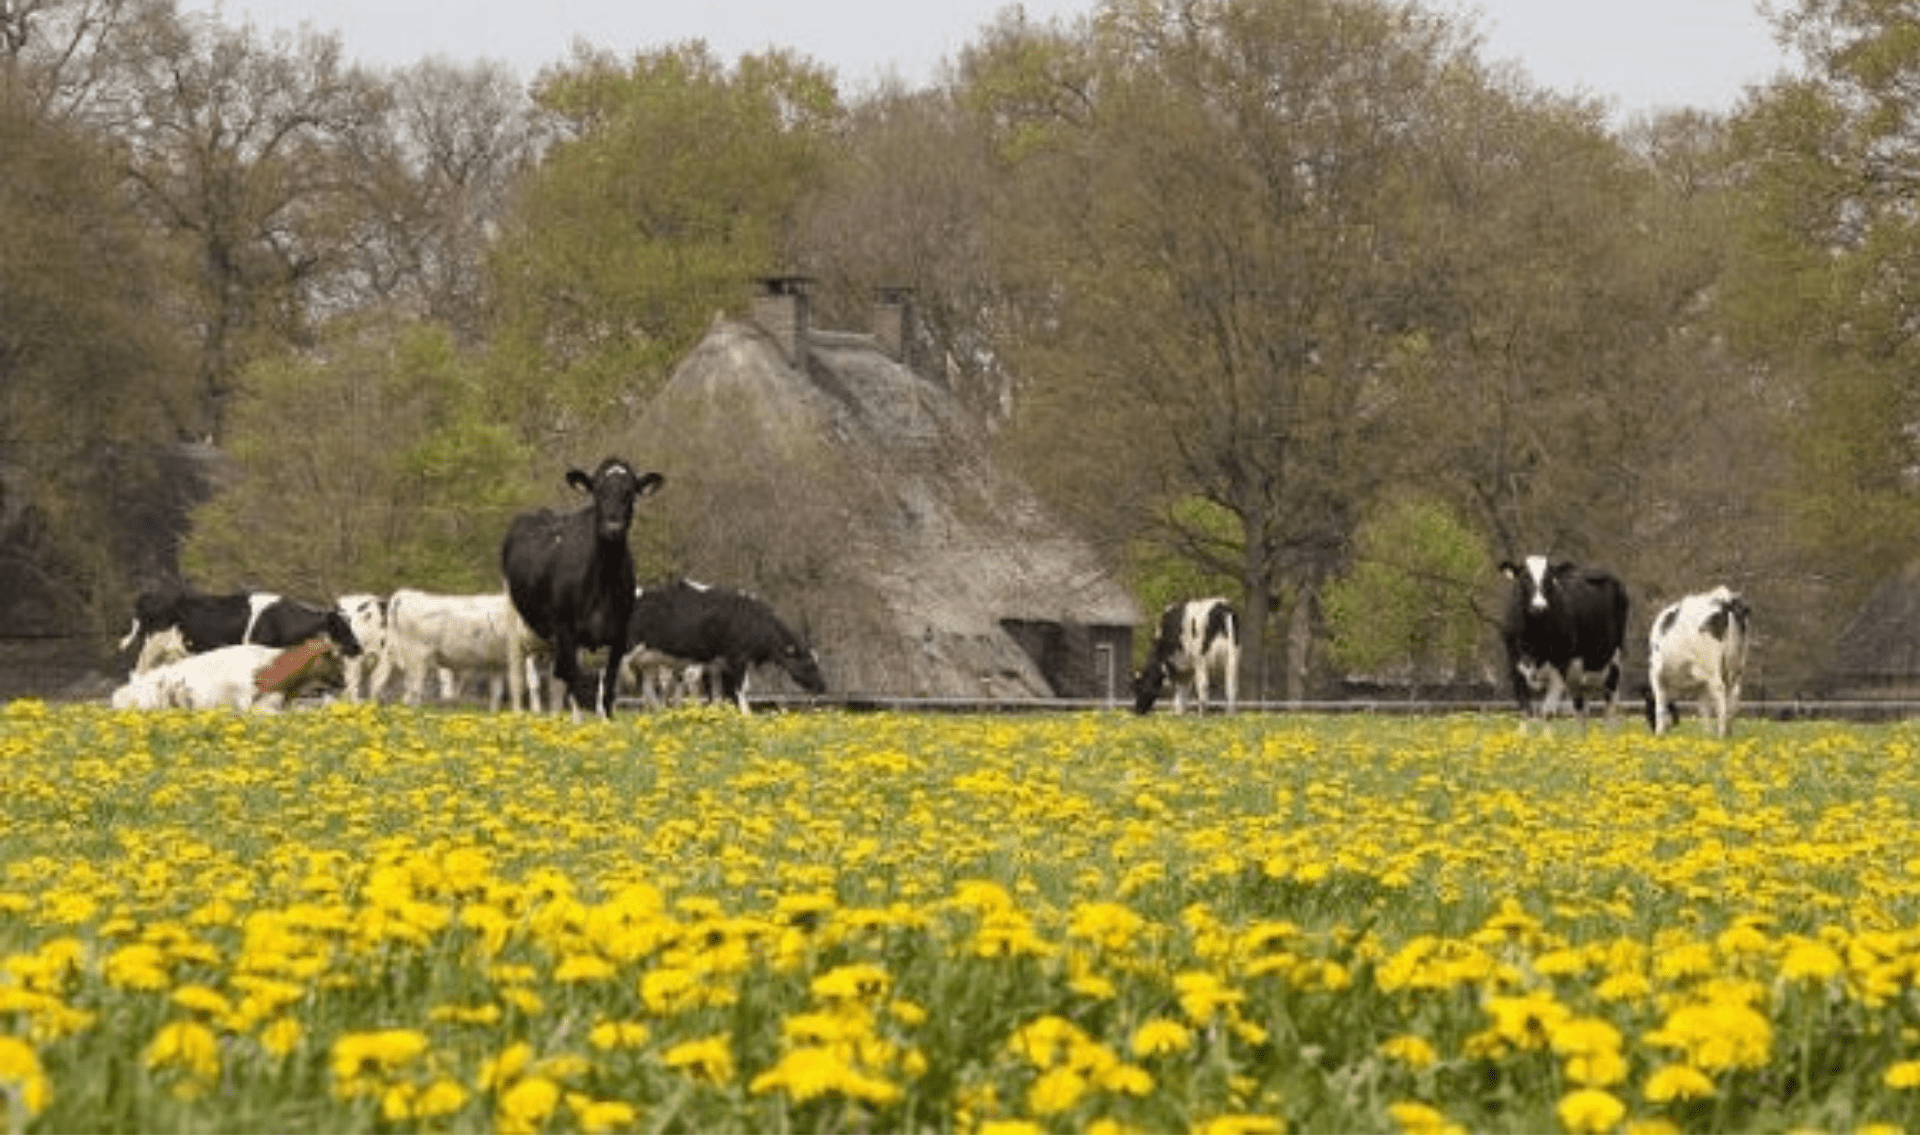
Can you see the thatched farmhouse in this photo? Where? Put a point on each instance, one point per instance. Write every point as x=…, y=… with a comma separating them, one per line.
x=1877, y=653
x=820, y=469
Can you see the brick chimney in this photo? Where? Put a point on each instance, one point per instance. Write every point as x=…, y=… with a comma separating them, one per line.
x=783, y=309
x=893, y=326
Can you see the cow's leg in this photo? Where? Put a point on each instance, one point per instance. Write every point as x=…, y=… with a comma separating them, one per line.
x=1233, y=680
x=1717, y=706
x=1661, y=705
x=566, y=670
x=519, y=681
x=610, y=678
x=1200, y=685
x=1613, y=686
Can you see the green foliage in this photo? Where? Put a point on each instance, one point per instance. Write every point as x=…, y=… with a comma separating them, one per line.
x=1821, y=290
x=1403, y=608
x=675, y=184
x=1166, y=570
x=367, y=466
x=92, y=367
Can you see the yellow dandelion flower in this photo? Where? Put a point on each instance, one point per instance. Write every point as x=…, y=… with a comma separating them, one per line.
x=907, y=1013
x=357, y=1054
x=852, y=982
x=804, y=1073
x=1416, y=1118
x=1717, y=1035
x=499, y=1071
x=1056, y=1090
x=1590, y=1111
x=1161, y=1037
x=609, y=1035
x=1905, y=1074
x=525, y=1107
x=599, y=1117
x=187, y=1045
x=710, y=1058
x=1672, y=1082
x=581, y=968
x=1011, y=1127
x=22, y=1077
x=282, y=1036
x=1810, y=960
x=1415, y=1052
x=1126, y=1080
x=1202, y=995
x=201, y=999
x=1241, y=1125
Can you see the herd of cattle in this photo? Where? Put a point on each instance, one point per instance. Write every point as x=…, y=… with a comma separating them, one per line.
x=1564, y=629
x=570, y=586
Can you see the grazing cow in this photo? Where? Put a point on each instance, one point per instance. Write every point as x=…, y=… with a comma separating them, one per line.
x=447, y=635
x=724, y=631
x=260, y=617
x=571, y=577
x=1565, y=629
x=1194, y=639
x=1698, y=644
x=243, y=677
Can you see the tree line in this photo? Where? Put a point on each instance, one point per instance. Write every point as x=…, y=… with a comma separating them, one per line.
x=1301, y=301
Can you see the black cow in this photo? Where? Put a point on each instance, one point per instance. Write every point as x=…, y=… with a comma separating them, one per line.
x=1195, y=638
x=720, y=629
x=207, y=622
x=571, y=576
x=1565, y=629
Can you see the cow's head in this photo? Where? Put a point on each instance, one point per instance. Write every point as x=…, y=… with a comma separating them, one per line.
x=340, y=633
x=803, y=666
x=615, y=486
x=1537, y=581
x=1147, y=685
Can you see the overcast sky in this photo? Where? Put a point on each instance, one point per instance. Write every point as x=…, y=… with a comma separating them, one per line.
x=1638, y=54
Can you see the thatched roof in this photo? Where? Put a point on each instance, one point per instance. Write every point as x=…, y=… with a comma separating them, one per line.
x=1881, y=642
x=864, y=500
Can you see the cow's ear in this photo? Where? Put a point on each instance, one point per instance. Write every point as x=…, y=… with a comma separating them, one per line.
x=579, y=480
x=649, y=484
x=1509, y=569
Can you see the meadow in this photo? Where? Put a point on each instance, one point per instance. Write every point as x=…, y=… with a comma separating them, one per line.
x=380, y=919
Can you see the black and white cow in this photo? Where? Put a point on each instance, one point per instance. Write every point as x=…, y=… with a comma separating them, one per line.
x=1698, y=645
x=1564, y=631
x=208, y=622
x=726, y=632
x=1194, y=639
x=571, y=577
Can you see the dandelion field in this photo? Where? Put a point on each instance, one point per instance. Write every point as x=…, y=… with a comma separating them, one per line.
x=380, y=919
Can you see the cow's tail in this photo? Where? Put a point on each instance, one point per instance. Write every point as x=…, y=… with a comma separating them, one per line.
x=132, y=635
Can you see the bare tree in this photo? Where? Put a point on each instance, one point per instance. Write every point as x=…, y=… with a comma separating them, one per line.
x=235, y=146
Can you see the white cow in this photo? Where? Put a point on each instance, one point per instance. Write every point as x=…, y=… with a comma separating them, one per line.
x=458, y=634
x=160, y=648
x=1195, y=638
x=1698, y=645
x=225, y=678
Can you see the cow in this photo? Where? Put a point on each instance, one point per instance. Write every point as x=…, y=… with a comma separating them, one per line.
x=206, y=622
x=242, y=677
x=449, y=635
x=571, y=577
x=1194, y=639
x=724, y=631
x=1698, y=644
x=366, y=616
x=160, y=648
x=1564, y=629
